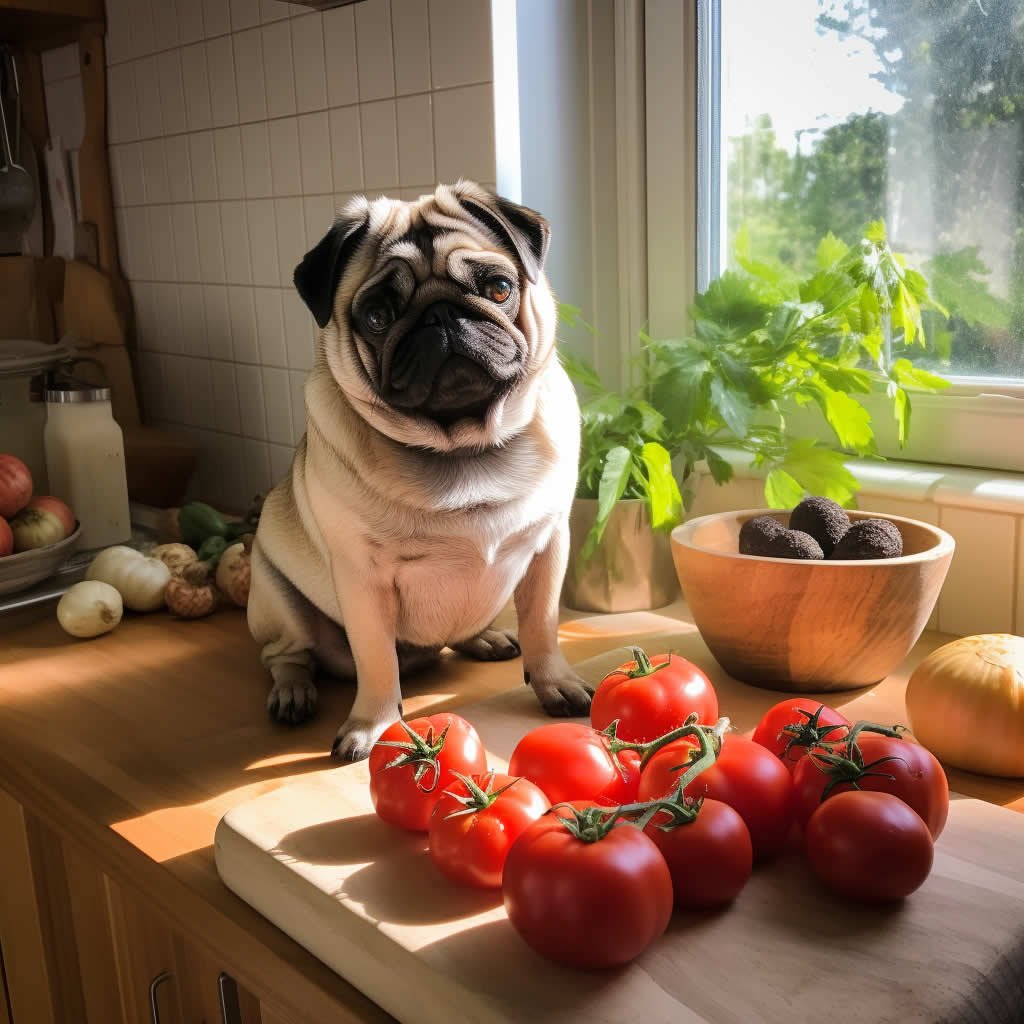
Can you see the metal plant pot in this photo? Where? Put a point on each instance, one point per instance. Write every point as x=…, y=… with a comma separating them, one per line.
x=631, y=570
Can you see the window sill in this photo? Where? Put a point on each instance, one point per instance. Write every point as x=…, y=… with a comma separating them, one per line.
x=982, y=489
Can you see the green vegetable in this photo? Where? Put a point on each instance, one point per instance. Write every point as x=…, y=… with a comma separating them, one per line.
x=197, y=522
x=235, y=531
x=211, y=549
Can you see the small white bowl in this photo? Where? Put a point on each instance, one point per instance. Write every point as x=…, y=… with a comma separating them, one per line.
x=27, y=568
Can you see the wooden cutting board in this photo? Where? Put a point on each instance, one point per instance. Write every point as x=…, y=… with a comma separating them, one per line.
x=364, y=898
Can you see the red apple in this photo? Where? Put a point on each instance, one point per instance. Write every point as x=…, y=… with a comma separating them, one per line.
x=48, y=503
x=6, y=538
x=15, y=485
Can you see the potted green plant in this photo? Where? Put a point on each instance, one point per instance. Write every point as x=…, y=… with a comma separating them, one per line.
x=627, y=501
x=765, y=343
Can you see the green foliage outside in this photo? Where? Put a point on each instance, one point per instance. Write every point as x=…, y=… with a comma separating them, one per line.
x=764, y=337
x=959, y=65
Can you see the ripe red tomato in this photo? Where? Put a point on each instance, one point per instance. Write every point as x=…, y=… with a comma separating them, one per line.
x=868, y=847
x=6, y=538
x=409, y=775
x=791, y=726
x=15, y=485
x=570, y=761
x=56, y=507
x=710, y=858
x=897, y=766
x=472, y=832
x=746, y=777
x=650, y=697
x=586, y=904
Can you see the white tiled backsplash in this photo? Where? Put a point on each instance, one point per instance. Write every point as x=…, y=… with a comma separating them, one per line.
x=236, y=129
x=984, y=591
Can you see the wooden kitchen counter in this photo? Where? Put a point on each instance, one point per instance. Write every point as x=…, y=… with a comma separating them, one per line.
x=134, y=745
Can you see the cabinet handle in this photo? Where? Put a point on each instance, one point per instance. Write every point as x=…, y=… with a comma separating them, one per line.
x=228, y=992
x=154, y=1008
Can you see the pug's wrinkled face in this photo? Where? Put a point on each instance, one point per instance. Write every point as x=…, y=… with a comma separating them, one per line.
x=443, y=346
x=435, y=314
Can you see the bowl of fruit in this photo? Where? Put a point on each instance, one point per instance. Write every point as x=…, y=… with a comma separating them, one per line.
x=812, y=600
x=38, y=534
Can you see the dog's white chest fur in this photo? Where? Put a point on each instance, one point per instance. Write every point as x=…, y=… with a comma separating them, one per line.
x=449, y=589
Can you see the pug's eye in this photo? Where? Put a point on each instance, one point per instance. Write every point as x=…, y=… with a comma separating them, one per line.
x=497, y=289
x=378, y=317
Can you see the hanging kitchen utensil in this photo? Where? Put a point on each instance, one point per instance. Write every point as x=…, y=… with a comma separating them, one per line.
x=17, y=190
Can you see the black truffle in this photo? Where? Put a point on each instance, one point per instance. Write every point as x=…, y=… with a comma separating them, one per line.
x=793, y=544
x=870, y=538
x=767, y=537
x=826, y=521
x=755, y=534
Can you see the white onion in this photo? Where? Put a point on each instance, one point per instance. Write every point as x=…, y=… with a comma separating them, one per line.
x=89, y=609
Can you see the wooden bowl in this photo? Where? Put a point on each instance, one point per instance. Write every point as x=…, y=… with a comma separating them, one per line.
x=808, y=626
x=27, y=568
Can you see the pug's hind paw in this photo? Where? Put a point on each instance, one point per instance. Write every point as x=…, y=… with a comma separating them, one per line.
x=356, y=738
x=490, y=645
x=563, y=696
x=292, y=701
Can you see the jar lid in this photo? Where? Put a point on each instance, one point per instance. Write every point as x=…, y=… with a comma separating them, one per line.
x=65, y=396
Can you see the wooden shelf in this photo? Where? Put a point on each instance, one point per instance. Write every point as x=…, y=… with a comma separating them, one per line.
x=40, y=24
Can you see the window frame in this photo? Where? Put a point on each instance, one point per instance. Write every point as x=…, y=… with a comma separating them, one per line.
x=683, y=251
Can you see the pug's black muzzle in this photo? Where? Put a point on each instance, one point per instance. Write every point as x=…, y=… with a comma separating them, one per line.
x=450, y=364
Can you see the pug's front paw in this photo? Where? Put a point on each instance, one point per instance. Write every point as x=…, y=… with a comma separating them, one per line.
x=292, y=700
x=490, y=645
x=356, y=738
x=561, y=692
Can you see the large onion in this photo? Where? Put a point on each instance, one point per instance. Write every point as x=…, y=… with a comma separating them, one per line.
x=966, y=704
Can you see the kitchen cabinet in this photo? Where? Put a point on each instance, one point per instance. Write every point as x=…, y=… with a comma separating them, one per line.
x=5, y=1011
x=80, y=947
x=45, y=23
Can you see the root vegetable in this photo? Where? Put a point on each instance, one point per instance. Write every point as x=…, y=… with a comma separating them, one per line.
x=234, y=575
x=89, y=609
x=192, y=594
x=36, y=528
x=966, y=704
x=175, y=556
x=139, y=580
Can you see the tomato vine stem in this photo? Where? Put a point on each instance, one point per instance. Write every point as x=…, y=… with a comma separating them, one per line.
x=591, y=824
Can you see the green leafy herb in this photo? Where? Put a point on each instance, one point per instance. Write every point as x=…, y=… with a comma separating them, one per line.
x=764, y=340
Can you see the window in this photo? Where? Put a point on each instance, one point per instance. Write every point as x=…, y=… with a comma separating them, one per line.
x=835, y=113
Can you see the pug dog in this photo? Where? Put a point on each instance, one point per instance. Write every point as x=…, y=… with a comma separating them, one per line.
x=436, y=475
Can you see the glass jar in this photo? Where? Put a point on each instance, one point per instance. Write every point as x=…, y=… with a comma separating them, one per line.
x=85, y=462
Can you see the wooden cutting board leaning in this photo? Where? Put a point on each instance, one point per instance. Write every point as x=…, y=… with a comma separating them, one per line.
x=313, y=858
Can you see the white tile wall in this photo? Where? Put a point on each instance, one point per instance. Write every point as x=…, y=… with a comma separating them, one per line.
x=460, y=42
x=340, y=56
x=237, y=128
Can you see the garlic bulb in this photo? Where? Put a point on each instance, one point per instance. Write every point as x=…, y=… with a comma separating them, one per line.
x=89, y=609
x=966, y=704
x=139, y=580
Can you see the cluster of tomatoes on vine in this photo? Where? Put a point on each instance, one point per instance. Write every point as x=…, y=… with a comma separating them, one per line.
x=597, y=832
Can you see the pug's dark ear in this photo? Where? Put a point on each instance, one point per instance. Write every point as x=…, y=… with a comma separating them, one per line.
x=526, y=231
x=316, y=277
